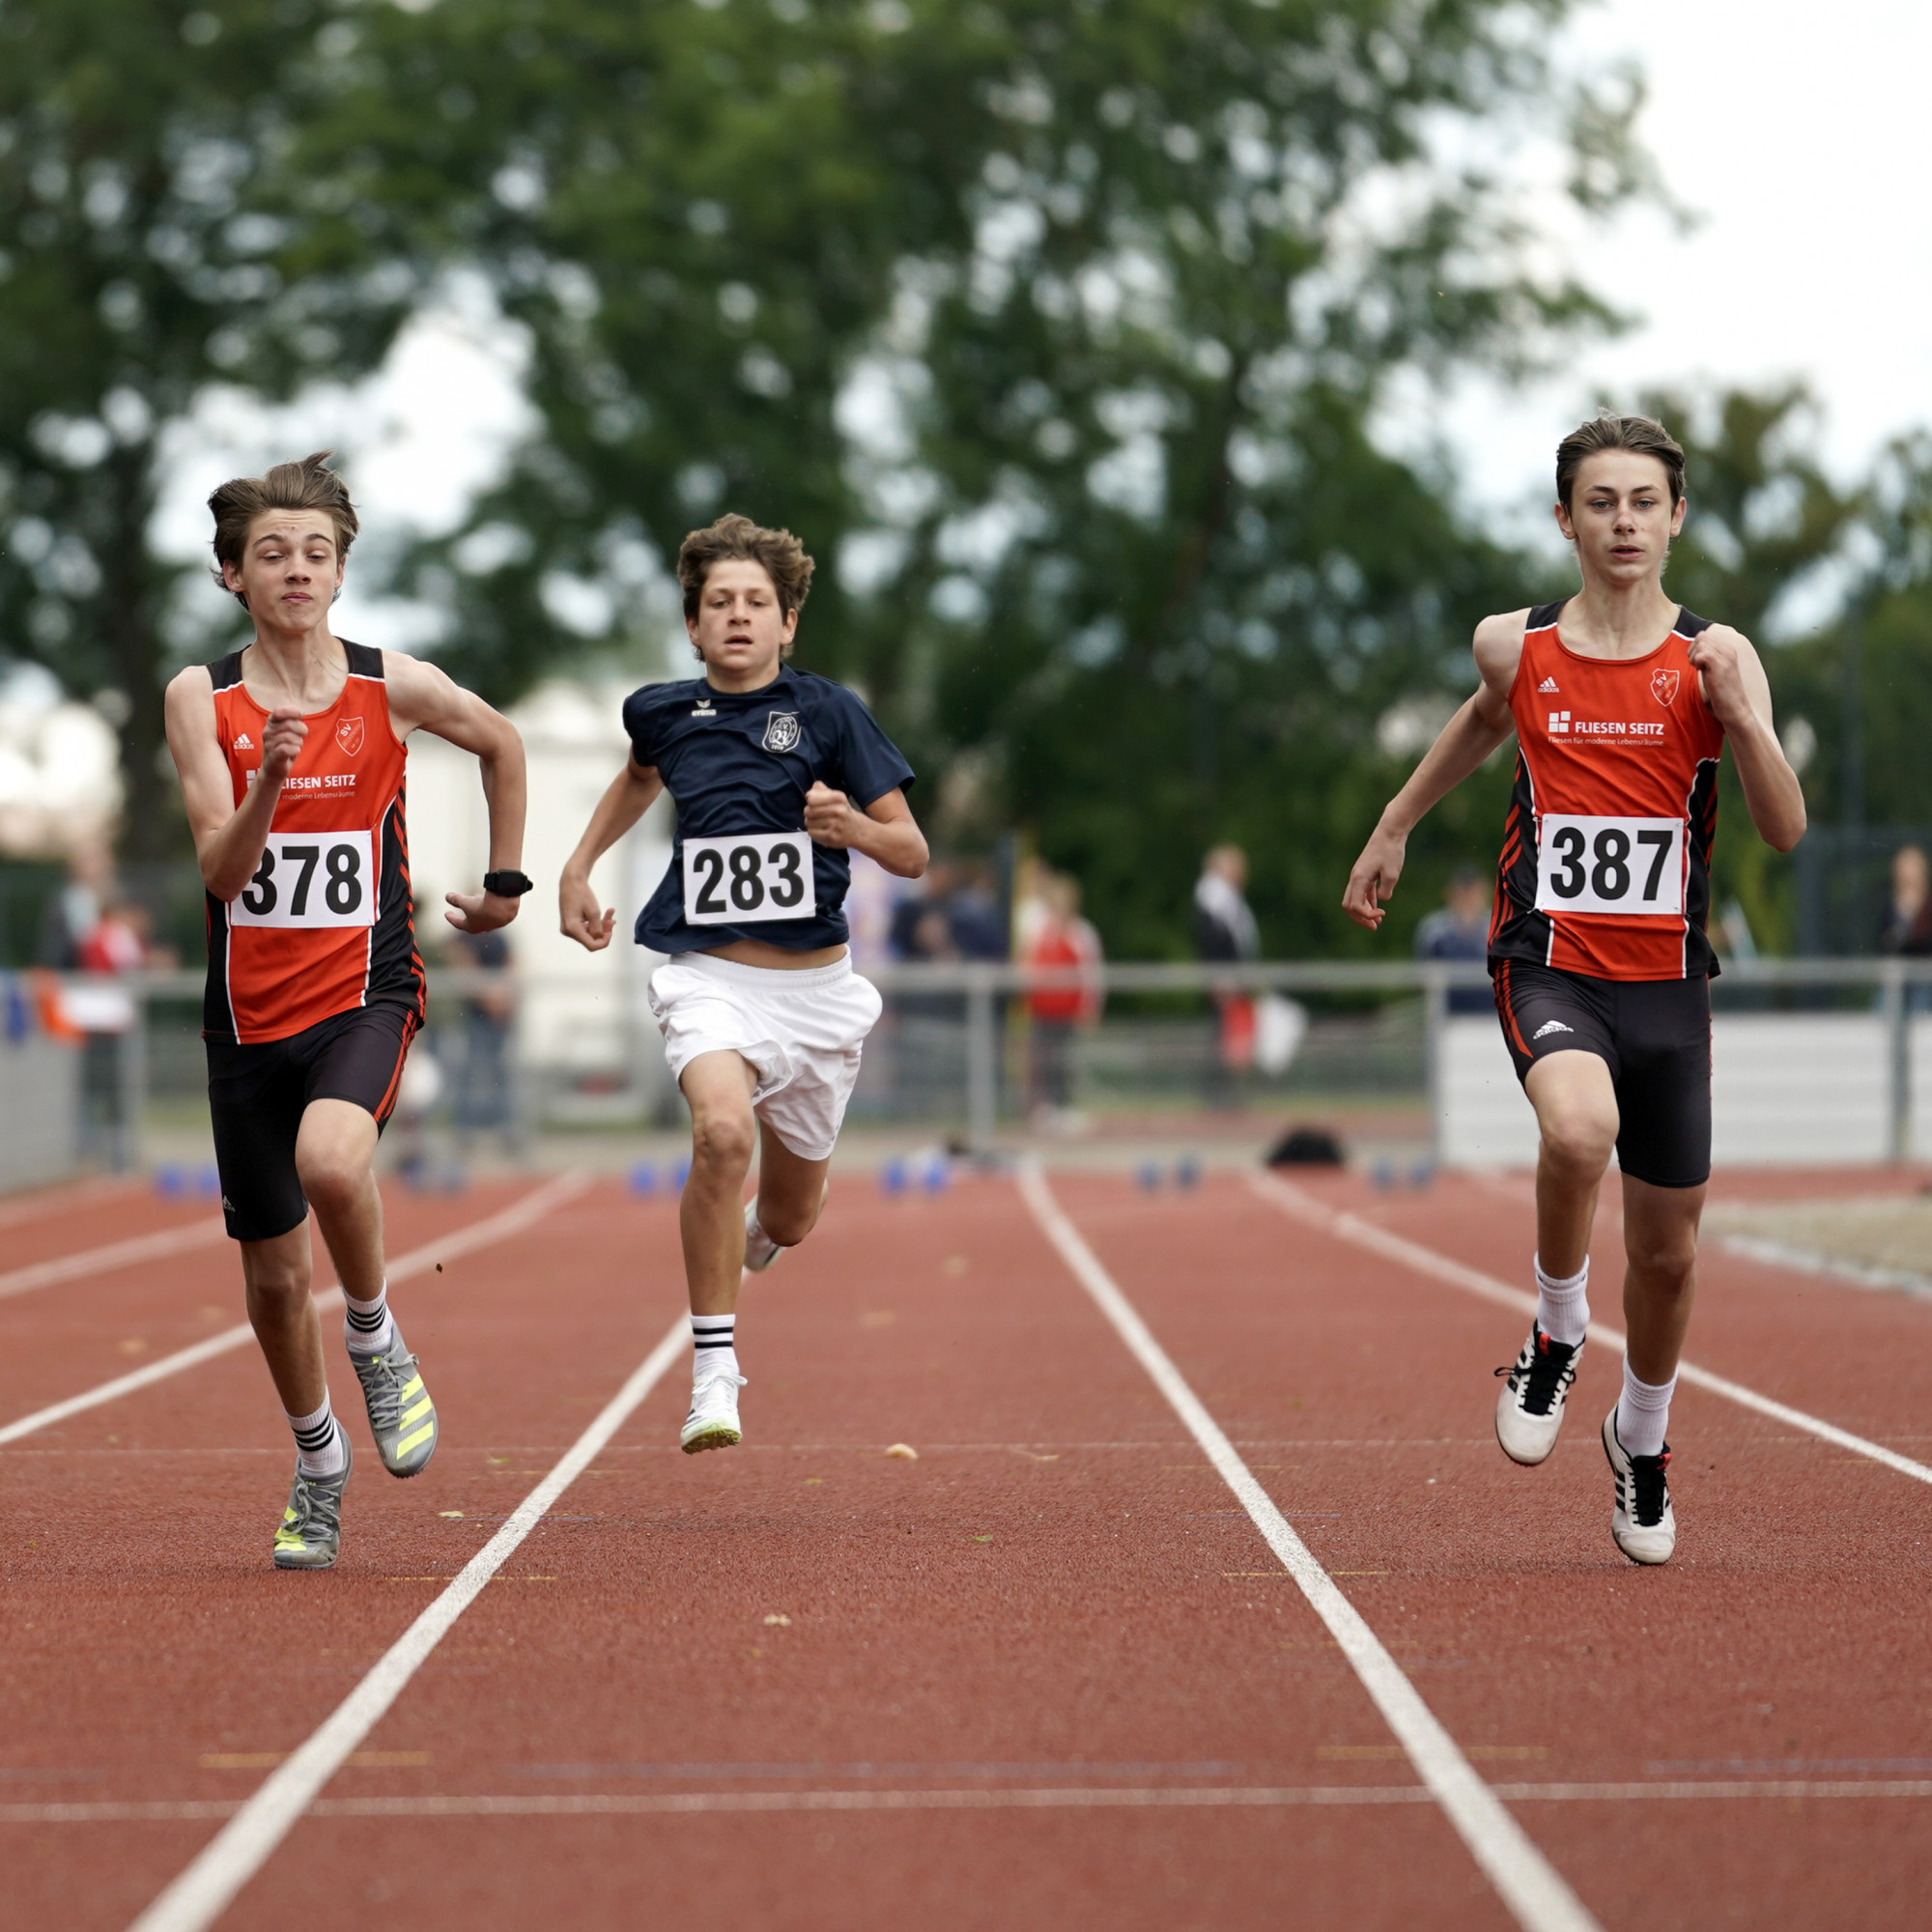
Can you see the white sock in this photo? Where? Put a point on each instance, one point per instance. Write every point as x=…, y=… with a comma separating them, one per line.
x=367, y=1326
x=713, y=1349
x=319, y=1450
x=1563, y=1307
x=1643, y=1413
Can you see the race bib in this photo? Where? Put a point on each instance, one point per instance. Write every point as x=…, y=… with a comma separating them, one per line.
x=1610, y=865
x=320, y=878
x=746, y=877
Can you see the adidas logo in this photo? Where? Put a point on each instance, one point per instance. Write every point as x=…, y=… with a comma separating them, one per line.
x=1547, y=684
x=245, y=743
x=1549, y=1027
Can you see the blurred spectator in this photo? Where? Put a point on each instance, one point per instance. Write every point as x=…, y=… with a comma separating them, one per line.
x=1225, y=930
x=921, y=929
x=974, y=915
x=104, y=1015
x=1460, y=929
x=1061, y=939
x=74, y=911
x=485, y=1092
x=1906, y=929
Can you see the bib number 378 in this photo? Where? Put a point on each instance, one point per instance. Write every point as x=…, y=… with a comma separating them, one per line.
x=746, y=877
x=1610, y=865
x=320, y=878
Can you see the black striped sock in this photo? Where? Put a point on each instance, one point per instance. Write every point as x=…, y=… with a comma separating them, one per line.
x=317, y=1451
x=365, y=1324
x=713, y=1344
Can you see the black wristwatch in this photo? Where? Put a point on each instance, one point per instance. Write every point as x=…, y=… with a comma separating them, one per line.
x=508, y=885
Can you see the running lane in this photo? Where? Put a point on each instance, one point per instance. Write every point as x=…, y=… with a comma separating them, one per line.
x=1784, y=1642
x=1053, y=1608
x=151, y=1645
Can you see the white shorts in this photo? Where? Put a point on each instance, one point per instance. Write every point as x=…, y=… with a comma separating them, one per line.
x=802, y=1031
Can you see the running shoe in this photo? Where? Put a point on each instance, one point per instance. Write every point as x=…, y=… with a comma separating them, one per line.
x=1529, y=1411
x=311, y=1528
x=761, y=1250
x=1642, y=1522
x=713, y=1421
x=402, y=1418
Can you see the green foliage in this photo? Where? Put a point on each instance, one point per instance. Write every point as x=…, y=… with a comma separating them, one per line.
x=132, y=277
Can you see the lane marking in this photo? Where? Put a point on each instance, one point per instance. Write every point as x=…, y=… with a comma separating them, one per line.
x=115, y=1255
x=205, y=1889
x=1528, y=1884
x=1291, y=1200
x=1047, y=1798
x=513, y=1220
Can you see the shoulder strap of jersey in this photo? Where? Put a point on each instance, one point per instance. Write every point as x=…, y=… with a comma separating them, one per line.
x=1688, y=624
x=225, y=673
x=1542, y=615
x=364, y=661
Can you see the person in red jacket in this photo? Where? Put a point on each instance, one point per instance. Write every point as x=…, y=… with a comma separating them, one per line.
x=1062, y=942
x=1622, y=702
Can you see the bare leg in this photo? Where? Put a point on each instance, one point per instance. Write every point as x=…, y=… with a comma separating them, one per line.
x=281, y=1311
x=791, y=1191
x=1577, y=1117
x=335, y=1152
x=718, y=1087
x=1659, y=1275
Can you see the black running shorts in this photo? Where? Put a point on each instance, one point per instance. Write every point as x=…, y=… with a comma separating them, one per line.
x=257, y=1094
x=1654, y=1036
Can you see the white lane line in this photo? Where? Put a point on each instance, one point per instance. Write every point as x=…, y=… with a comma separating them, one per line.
x=1528, y=1884
x=115, y=1255
x=1048, y=1797
x=1810, y=1260
x=64, y=1200
x=513, y=1220
x=1292, y=1199
x=205, y=1889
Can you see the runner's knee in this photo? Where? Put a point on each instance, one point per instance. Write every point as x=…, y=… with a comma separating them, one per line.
x=332, y=1181
x=1662, y=1256
x=789, y=1222
x=723, y=1138
x=1578, y=1138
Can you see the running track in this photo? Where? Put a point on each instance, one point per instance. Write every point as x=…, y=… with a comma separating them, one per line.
x=1050, y=1674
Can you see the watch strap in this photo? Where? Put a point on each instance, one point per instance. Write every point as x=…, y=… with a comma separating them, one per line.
x=508, y=884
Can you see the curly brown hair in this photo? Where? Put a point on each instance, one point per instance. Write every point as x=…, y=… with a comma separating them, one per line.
x=308, y=485
x=1638, y=434
x=783, y=558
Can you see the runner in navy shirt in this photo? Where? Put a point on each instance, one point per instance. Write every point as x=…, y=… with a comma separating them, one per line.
x=745, y=761
x=776, y=774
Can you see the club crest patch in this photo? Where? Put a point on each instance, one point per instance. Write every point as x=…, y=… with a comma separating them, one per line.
x=1664, y=685
x=349, y=735
x=782, y=731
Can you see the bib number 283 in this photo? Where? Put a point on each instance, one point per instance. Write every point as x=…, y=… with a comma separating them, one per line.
x=746, y=877
x=316, y=879
x=1610, y=865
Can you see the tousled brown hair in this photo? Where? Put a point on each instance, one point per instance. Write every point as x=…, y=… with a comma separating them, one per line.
x=308, y=485
x=783, y=558
x=1638, y=434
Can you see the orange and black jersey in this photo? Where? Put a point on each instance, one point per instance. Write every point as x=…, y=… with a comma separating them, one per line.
x=1607, y=850
x=326, y=923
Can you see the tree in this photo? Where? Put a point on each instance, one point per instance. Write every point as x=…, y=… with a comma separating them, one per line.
x=132, y=277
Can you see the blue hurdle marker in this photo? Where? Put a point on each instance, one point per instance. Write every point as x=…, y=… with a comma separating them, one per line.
x=1382, y=1176
x=207, y=1183
x=892, y=1177
x=1186, y=1173
x=680, y=1173
x=643, y=1178
x=1422, y=1174
x=170, y=1182
x=1147, y=1175
x=937, y=1175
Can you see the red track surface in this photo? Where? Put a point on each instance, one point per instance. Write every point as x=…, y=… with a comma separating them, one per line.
x=1058, y=1597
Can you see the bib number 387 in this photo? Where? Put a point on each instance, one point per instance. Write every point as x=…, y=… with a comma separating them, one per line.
x=314, y=880
x=1610, y=865
x=746, y=877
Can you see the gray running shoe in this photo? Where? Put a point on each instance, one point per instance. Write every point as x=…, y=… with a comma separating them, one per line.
x=310, y=1534
x=761, y=1250
x=402, y=1418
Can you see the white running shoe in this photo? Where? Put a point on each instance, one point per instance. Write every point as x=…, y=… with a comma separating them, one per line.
x=1642, y=1522
x=1529, y=1411
x=713, y=1421
x=761, y=1250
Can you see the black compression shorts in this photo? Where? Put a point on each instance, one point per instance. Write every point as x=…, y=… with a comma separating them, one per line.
x=257, y=1094
x=1654, y=1036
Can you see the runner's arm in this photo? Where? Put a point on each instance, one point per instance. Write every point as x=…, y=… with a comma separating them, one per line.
x=1739, y=694
x=884, y=831
x=422, y=698
x=228, y=837
x=1469, y=738
x=625, y=801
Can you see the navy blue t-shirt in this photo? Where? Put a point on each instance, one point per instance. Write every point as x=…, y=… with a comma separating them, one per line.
x=743, y=761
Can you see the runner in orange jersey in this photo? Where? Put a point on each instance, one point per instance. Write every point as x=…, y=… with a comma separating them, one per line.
x=1621, y=703
x=291, y=754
